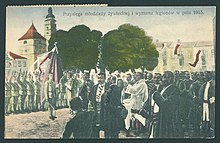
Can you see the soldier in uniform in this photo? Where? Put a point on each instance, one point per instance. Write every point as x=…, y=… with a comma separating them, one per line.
x=72, y=86
x=37, y=87
x=23, y=93
x=57, y=98
x=30, y=93
x=23, y=99
x=50, y=94
x=13, y=107
x=62, y=91
x=7, y=96
x=69, y=88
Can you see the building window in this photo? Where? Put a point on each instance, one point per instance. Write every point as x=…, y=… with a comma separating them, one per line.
x=24, y=64
x=47, y=32
x=25, y=42
x=25, y=51
x=47, y=28
x=19, y=63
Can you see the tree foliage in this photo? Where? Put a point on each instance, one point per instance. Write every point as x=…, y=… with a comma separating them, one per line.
x=129, y=47
x=77, y=47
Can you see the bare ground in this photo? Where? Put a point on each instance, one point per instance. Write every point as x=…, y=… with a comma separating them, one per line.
x=37, y=125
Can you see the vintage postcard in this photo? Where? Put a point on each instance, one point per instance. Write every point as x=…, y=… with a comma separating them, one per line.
x=96, y=71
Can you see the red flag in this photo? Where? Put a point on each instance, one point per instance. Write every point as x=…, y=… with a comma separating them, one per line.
x=196, y=60
x=176, y=48
x=45, y=59
x=55, y=67
x=42, y=63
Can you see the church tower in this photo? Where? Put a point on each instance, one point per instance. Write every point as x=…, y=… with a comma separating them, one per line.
x=49, y=24
x=32, y=44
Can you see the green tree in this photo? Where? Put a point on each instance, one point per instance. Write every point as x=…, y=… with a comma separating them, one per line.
x=129, y=47
x=77, y=47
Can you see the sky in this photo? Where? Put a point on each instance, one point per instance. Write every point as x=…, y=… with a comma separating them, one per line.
x=185, y=23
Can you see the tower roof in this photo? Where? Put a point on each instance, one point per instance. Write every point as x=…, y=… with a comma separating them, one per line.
x=15, y=56
x=31, y=34
x=50, y=13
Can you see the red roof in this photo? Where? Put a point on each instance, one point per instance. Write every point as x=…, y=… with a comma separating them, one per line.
x=15, y=56
x=32, y=34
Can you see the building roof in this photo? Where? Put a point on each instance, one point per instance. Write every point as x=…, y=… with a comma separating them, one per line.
x=160, y=44
x=50, y=13
x=187, y=44
x=170, y=44
x=32, y=34
x=204, y=44
x=15, y=56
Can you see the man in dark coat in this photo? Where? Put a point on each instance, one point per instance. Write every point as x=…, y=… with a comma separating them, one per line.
x=185, y=103
x=110, y=120
x=176, y=77
x=195, y=110
x=150, y=108
x=95, y=98
x=168, y=100
x=79, y=127
x=151, y=84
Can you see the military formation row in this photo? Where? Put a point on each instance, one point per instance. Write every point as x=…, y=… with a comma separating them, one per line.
x=23, y=94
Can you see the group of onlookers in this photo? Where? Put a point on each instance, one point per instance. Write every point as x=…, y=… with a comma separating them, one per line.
x=169, y=105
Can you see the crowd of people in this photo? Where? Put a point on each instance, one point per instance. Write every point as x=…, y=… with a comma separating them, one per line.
x=169, y=105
